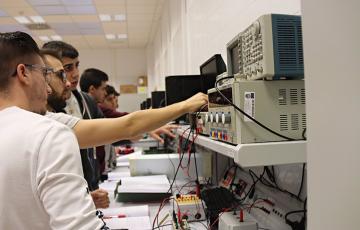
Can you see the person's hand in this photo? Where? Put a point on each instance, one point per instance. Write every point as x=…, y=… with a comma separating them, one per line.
x=166, y=129
x=194, y=103
x=100, y=198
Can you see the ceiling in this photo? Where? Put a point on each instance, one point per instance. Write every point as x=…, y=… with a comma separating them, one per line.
x=79, y=23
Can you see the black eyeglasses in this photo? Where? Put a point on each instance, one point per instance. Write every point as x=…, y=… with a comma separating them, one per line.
x=61, y=75
x=44, y=70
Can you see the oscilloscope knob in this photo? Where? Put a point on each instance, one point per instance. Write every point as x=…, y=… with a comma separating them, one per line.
x=226, y=118
x=211, y=118
x=217, y=118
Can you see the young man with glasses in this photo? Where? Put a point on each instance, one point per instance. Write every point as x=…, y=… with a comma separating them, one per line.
x=41, y=178
x=58, y=83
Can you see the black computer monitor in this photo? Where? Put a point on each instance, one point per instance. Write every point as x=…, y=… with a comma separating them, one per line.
x=157, y=99
x=210, y=69
x=143, y=105
x=213, y=66
x=182, y=87
x=148, y=103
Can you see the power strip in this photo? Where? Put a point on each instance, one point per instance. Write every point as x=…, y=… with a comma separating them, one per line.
x=230, y=221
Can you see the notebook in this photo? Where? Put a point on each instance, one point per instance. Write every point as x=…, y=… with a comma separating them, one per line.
x=132, y=218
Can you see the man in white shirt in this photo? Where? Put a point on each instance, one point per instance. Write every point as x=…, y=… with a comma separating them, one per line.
x=42, y=185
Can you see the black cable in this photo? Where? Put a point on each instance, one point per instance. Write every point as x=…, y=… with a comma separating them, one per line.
x=302, y=180
x=247, y=115
x=304, y=134
x=158, y=227
x=252, y=186
x=273, y=172
x=206, y=227
x=267, y=183
x=181, y=158
x=192, y=128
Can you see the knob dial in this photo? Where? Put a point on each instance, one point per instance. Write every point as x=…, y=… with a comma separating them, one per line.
x=211, y=118
x=206, y=117
x=217, y=118
x=226, y=118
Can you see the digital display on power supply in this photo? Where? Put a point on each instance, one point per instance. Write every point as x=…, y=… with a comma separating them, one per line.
x=216, y=100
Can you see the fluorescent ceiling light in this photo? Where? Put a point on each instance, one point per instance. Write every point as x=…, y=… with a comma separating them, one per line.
x=119, y=17
x=122, y=36
x=22, y=19
x=110, y=36
x=37, y=19
x=105, y=17
x=56, y=38
x=44, y=38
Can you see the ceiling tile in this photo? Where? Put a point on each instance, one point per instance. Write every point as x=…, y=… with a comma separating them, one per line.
x=65, y=28
x=90, y=28
x=91, y=31
x=109, y=2
x=43, y=32
x=89, y=25
x=85, y=9
x=85, y=18
x=140, y=17
x=58, y=19
x=96, y=41
x=7, y=20
x=115, y=27
x=16, y=11
x=3, y=13
x=12, y=28
x=44, y=2
x=110, y=9
x=51, y=10
x=142, y=9
x=118, y=44
x=14, y=3
x=77, y=41
x=141, y=2
x=76, y=2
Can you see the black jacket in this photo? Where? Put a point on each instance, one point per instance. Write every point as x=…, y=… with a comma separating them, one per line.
x=90, y=110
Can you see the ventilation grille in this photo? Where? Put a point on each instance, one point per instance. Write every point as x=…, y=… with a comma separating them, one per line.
x=294, y=97
x=282, y=96
x=288, y=39
x=302, y=96
x=284, y=122
x=38, y=26
x=303, y=119
x=294, y=121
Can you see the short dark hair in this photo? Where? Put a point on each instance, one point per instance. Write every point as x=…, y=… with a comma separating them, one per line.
x=15, y=48
x=65, y=49
x=54, y=53
x=111, y=90
x=92, y=77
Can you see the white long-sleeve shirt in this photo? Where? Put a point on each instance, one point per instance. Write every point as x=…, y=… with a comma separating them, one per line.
x=42, y=185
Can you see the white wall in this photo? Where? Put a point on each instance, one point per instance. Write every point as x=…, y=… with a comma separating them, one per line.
x=191, y=31
x=331, y=35
x=123, y=66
